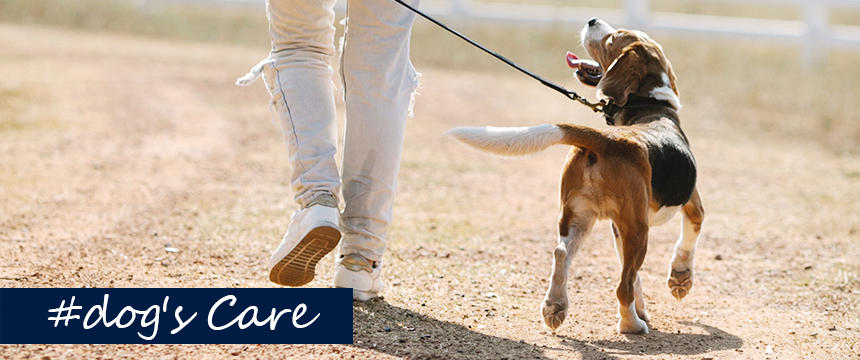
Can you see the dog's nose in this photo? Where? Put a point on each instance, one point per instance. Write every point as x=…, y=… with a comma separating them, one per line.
x=592, y=21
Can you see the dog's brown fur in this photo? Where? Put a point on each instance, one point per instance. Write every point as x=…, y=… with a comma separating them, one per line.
x=618, y=186
x=625, y=173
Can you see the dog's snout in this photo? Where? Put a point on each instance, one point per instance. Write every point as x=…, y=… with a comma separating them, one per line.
x=592, y=21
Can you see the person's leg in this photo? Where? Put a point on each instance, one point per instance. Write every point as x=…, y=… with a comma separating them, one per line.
x=379, y=82
x=299, y=78
x=301, y=83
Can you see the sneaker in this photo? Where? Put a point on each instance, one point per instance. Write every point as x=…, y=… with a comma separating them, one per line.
x=361, y=274
x=312, y=234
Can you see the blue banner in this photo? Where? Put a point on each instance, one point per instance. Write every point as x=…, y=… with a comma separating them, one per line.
x=176, y=316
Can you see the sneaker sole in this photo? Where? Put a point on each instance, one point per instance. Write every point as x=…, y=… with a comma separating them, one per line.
x=297, y=268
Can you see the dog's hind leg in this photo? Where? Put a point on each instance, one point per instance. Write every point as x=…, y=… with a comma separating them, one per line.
x=637, y=285
x=572, y=231
x=680, y=279
x=633, y=230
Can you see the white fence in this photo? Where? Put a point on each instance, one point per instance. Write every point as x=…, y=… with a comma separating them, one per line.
x=813, y=32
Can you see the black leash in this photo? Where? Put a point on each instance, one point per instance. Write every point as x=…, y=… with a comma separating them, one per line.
x=601, y=106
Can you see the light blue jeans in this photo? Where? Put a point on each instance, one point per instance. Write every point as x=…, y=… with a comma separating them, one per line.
x=378, y=88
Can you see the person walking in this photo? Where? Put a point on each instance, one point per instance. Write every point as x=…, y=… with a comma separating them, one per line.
x=378, y=82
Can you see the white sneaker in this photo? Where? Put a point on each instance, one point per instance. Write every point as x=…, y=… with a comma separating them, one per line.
x=312, y=234
x=364, y=276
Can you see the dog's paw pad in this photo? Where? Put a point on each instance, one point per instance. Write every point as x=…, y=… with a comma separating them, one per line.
x=680, y=282
x=553, y=314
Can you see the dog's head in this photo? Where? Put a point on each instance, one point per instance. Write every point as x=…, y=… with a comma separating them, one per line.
x=634, y=64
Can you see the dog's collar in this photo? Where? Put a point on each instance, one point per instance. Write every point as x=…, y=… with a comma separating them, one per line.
x=611, y=109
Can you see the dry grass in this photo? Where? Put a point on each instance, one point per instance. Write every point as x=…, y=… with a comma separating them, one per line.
x=839, y=15
x=146, y=18
x=779, y=94
x=112, y=146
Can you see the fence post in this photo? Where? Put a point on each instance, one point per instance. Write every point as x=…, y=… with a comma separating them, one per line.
x=637, y=13
x=816, y=14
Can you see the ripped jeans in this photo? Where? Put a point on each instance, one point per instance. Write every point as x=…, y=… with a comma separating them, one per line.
x=378, y=88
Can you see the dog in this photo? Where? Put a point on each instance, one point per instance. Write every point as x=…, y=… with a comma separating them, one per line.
x=637, y=174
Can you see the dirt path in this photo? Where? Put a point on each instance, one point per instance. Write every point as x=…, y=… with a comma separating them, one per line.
x=112, y=147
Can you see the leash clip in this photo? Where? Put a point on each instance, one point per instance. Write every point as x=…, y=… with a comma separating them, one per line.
x=606, y=107
x=596, y=107
x=609, y=110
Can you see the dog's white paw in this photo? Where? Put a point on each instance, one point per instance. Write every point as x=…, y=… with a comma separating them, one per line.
x=635, y=326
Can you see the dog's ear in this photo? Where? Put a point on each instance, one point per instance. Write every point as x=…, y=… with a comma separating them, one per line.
x=625, y=74
x=673, y=80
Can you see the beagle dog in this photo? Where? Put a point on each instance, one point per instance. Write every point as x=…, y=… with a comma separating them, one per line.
x=637, y=173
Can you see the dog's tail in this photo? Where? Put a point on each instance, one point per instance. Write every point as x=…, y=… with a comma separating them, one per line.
x=527, y=140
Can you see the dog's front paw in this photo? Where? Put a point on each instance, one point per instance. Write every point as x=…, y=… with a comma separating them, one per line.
x=635, y=325
x=680, y=282
x=553, y=313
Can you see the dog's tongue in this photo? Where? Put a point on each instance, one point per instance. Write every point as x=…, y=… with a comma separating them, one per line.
x=587, y=65
x=588, y=71
x=572, y=60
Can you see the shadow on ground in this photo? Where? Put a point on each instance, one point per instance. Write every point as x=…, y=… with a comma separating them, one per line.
x=383, y=327
x=657, y=343
x=401, y=332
